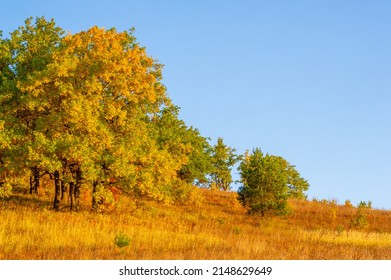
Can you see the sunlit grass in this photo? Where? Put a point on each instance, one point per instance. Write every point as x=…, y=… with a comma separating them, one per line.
x=352, y=237
x=217, y=228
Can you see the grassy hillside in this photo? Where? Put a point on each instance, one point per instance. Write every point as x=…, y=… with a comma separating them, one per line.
x=216, y=227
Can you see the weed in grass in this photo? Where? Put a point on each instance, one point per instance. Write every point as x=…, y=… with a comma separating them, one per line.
x=236, y=230
x=121, y=240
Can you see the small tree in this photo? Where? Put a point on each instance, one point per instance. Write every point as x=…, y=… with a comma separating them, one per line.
x=223, y=159
x=360, y=219
x=267, y=182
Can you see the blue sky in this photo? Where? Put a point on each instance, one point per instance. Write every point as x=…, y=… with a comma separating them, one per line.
x=306, y=80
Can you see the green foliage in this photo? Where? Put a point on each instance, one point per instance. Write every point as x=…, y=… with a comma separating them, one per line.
x=348, y=203
x=25, y=112
x=236, y=230
x=104, y=199
x=267, y=182
x=360, y=219
x=183, y=143
x=121, y=240
x=365, y=205
x=223, y=159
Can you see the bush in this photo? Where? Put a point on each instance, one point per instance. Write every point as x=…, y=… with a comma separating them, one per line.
x=121, y=240
x=267, y=182
x=360, y=219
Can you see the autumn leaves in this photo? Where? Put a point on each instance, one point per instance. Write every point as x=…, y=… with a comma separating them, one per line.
x=89, y=109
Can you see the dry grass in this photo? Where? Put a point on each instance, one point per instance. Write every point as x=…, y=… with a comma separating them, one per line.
x=216, y=228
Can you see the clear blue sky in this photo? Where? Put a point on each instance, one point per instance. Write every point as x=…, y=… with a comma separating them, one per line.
x=306, y=80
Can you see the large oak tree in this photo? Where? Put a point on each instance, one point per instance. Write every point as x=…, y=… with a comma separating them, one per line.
x=90, y=109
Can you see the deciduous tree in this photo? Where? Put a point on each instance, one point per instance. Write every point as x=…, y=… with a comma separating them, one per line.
x=24, y=56
x=223, y=159
x=185, y=144
x=267, y=182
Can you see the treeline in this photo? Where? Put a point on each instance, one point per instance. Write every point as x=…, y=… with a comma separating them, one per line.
x=89, y=109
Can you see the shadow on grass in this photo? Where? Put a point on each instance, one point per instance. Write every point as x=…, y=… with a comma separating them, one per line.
x=21, y=198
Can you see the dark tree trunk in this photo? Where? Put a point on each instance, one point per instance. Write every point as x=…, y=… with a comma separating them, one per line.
x=57, y=191
x=77, y=188
x=63, y=190
x=34, y=180
x=31, y=184
x=72, y=194
x=94, y=202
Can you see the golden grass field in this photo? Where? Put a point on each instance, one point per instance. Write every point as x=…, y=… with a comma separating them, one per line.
x=215, y=228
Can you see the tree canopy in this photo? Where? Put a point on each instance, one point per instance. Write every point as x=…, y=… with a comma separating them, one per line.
x=90, y=108
x=267, y=182
x=223, y=159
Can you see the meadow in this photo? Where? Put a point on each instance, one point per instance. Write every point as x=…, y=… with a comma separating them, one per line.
x=214, y=227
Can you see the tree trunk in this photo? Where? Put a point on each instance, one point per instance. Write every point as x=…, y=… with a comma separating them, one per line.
x=77, y=188
x=72, y=194
x=57, y=192
x=94, y=202
x=63, y=189
x=34, y=180
x=31, y=184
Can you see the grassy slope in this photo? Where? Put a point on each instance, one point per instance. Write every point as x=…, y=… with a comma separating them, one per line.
x=216, y=228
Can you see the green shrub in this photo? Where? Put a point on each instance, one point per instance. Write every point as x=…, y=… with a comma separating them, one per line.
x=236, y=230
x=360, y=219
x=121, y=240
x=267, y=182
x=348, y=203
